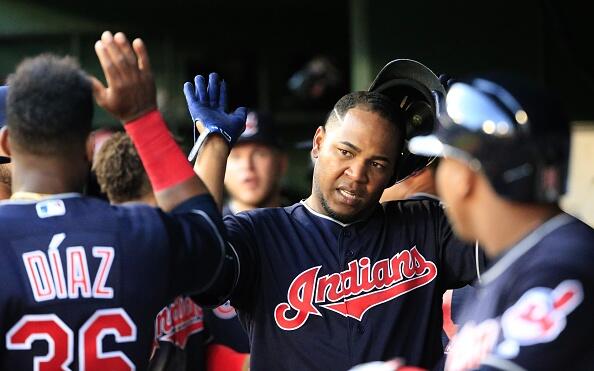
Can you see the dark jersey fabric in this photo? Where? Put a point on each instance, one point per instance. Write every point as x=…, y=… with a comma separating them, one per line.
x=315, y=294
x=83, y=281
x=533, y=309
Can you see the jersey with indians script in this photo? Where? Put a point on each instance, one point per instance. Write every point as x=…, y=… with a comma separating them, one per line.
x=533, y=309
x=82, y=281
x=317, y=294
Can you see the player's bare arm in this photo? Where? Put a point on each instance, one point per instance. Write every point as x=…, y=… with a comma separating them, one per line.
x=208, y=106
x=130, y=96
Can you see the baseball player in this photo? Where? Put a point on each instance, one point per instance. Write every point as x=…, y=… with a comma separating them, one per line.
x=255, y=167
x=505, y=145
x=180, y=338
x=337, y=279
x=82, y=280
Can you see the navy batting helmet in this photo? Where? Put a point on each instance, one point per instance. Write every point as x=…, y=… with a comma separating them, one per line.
x=414, y=88
x=512, y=131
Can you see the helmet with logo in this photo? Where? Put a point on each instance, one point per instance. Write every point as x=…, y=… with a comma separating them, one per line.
x=415, y=89
x=516, y=134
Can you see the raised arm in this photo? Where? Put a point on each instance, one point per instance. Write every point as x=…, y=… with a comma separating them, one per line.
x=207, y=106
x=130, y=96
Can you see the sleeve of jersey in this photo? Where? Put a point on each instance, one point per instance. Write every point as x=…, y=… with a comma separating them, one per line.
x=548, y=324
x=241, y=232
x=200, y=261
x=461, y=262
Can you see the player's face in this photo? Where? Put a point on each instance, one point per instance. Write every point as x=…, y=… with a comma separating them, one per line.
x=253, y=173
x=452, y=181
x=355, y=161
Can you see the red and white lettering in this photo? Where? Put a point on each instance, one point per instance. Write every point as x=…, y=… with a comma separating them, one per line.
x=105, y=322
x=353, y=292
x=472, y=345
x=60, y=340
x=58, y=273
x=78, y=273
x=178, y=321
x=300, y=298
x=44, y=327
x=40, y=277
x=107, y=255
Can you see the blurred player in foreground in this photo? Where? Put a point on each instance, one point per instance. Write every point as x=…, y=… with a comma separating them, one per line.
x=84, y=280
x=506, y=147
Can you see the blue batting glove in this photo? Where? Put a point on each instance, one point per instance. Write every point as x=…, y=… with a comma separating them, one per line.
x=208, y=106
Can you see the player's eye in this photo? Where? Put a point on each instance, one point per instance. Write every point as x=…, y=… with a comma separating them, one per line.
x=345, y=153
x=378, y=165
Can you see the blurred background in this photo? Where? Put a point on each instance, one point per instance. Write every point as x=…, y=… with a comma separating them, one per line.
x=294, y=59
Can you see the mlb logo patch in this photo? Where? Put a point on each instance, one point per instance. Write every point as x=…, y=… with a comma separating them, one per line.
x=49, y=208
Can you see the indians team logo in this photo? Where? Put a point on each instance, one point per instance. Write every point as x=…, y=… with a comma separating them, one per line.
x=539, y=316
x=354, y=291
x=177, y=322
x=251, y=124
x=225, y=311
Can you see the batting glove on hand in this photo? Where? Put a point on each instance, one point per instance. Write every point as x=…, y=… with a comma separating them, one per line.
x=207, y=107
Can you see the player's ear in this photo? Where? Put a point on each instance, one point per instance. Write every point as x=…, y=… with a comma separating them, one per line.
x=4, y=142
x=90, y=147
x=318, y=139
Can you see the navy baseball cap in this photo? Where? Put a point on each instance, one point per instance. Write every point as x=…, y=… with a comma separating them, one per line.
x=3, y=94
x=259, y=128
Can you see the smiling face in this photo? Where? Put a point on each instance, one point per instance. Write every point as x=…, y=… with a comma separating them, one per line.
x=355, y=160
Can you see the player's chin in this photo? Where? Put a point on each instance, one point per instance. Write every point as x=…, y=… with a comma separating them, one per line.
x=348, y=212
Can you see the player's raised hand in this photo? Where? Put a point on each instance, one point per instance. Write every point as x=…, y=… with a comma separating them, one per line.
x=207, y=106
x=130, y=91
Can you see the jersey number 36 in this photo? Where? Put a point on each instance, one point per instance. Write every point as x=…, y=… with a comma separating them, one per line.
x=60, y=339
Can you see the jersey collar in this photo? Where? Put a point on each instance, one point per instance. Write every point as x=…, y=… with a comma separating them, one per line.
x=302, y=202
x=524, y=246
x=20, y=198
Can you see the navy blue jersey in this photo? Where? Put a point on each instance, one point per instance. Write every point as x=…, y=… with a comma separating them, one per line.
x=534, y=307
x=314, y=293
x=222, y=322
x=83, y=281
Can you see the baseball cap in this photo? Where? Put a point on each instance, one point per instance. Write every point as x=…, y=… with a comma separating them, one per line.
x=3, y=94
x=259, y=128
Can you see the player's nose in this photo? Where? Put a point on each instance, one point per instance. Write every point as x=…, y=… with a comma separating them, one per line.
x=357, y=171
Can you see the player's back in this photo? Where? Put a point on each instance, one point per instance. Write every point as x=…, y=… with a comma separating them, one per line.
x=81, y=283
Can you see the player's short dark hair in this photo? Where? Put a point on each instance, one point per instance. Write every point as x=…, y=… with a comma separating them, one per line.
x=370, y=101
x=49, y=105
x=119, y=171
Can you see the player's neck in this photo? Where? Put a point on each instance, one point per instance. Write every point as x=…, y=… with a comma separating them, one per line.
x=504, y=225
x=48, y=175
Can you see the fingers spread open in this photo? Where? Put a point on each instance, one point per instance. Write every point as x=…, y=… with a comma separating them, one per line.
x=99, y=90
x=125, y=47
x=201, y=88
x=189, y=93
x=112, y=75
x=223, y=97
x=213, y=89
x=143, y=59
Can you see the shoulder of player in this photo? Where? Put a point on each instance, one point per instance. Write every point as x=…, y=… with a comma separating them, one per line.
x=414, y=208
x=255, y=216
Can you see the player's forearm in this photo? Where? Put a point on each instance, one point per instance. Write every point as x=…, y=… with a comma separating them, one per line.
x=169, y=172
x=210, y=165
